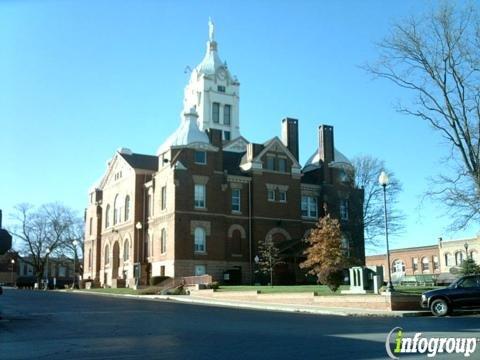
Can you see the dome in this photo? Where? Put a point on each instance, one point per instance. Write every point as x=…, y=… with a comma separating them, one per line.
x=211, y=62
x=340, y=160
x=187, y=133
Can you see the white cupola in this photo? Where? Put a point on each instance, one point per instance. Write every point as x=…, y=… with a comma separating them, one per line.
x=214, y=92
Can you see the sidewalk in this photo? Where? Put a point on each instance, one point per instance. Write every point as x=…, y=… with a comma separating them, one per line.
x=254, y=305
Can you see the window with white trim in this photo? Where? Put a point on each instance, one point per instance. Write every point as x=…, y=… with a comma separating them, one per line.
x=199, y=196
x=236, y=200
x=163, y=241
x=282, y=165
x=163, y=198
x=282, y=196
x=425, y=264
x=200, y=241
x=271, y=195
x=227, y=109
x=309, y=206
x=126, y=251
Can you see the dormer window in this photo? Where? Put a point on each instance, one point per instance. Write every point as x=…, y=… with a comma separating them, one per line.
x=282, y=165
x=200, y=157
x=221, y=88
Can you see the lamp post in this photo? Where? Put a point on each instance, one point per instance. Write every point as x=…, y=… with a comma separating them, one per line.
x=75, y=243
x=257, y=260
x=46, y=272
x=466, y=250
x=13, y=264
x=383, y=181
x=138, y=226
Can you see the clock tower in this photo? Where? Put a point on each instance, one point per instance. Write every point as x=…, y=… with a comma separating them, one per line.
x=214, y=92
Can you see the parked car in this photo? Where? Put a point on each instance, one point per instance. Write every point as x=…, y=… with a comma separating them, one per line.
x=1, y=290
x=462, y=294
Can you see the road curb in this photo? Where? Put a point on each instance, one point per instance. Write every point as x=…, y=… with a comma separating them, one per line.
x=259, y=306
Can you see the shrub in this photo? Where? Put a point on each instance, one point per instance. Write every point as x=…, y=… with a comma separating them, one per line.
x=157, y=280
x=151, y=290
x=213, y=285
x=179, y=290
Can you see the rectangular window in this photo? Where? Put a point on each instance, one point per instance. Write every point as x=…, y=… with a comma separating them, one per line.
x=344, y=209
x=163, y=198
x=200, y=157
x=270, y=162
x=200, y=270
x=90, y=226
x=199, y=196
x=162, y=270
x=271, y=195
x=216, y=112
x=309, y=206
x=282, y=165
x=282, y=196
x=163, y=241
x=227, y=109
x=236, y=200
x=226, y=135
x=221, y=88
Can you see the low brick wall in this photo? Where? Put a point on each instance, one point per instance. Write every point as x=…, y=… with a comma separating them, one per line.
x=369, y=301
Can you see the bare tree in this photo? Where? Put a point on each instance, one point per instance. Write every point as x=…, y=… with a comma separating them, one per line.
x=436, y=57
x=268, y=257
x=367, y=171
x=42, y=231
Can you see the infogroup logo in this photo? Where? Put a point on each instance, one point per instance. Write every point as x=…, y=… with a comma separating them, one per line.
x=431, y=346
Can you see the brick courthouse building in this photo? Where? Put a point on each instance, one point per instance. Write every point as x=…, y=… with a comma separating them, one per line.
x=209, y=196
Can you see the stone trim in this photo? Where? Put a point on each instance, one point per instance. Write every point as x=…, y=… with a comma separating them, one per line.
x=206, y=225
x=240, y=228
x=200, y=180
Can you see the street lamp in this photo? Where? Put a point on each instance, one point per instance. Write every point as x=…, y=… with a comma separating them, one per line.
x=46, y=272
x=383, y=181
x=138, y=226
x=13, y=264
x=75, y=243
x=466, y=249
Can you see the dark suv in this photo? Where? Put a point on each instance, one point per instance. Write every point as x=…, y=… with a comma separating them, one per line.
x=462, y=294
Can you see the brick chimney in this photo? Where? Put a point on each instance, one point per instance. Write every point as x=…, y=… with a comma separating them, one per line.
x=326, y=150
x=290, y=135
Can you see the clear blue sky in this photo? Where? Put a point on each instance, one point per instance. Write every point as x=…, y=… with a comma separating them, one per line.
x=79, y=79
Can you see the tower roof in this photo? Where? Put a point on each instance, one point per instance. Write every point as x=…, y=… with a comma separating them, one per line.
x=211, y=62
x=187, y=133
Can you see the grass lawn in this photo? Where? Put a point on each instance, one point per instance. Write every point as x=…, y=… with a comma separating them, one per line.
x=114, y=291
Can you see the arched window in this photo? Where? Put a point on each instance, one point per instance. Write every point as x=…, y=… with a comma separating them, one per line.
x=448, y=259
x=127, y=207
x=116, y=210
x=458, y=258
x=163, y=241
x=425, y=264
x=89, y=258
x=474, y=256
x=107, y=255
x=200, y=244
x=236, y=242
x=398, y=266
x=126, y=250
x=107, y=216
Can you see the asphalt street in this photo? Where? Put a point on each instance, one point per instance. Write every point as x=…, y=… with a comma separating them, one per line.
x=54, y=325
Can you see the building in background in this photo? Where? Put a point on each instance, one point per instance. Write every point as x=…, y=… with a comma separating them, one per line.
x=207, y=198
x=436, y=259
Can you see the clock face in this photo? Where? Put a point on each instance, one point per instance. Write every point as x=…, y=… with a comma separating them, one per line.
x=222, y=74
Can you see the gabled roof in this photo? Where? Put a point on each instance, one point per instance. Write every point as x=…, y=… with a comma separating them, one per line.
x=141, y=161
